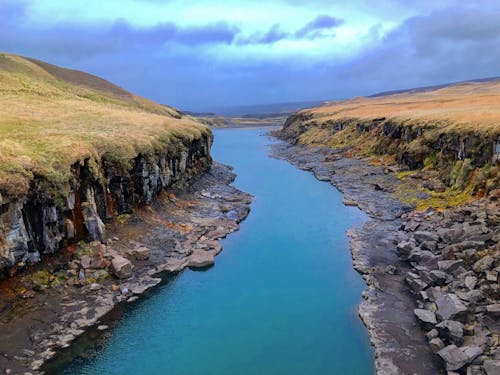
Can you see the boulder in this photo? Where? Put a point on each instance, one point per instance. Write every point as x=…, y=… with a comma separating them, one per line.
x=426, y=318
x=491, y=367
x=450, y=265
x=472, y=296
x=432, y=334
x=436, y=344
x=415, y=283
x=439, y=277
x=484, y=264
x=470, y=282
x=492, y=276
x=456, y=358
x=452, y=331
x=421, y=236
x=405, y=248
x=449, y=306
x=85, y=261
x=493, y=310
x=424, y=257
x=141, y=253
x=121, y=267
x=450, y=251
x=201, y=259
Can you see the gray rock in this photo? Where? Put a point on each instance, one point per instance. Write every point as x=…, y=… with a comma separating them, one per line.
x=472, y=296
x=474, y=370
x=451, y=234
x=492, y=367
x=141, y=253
x=456, y=358
x=421, y=236
x=449, y=306
x=432, y=334
x=434, y=293
x=85, y=261
x=424, y=257
x=426, y=318
x=450, y=265
x=492, y=276
x=439, y=277
x=450, y=251
x=415, y=283
x=436, y=344
x=121, y=267
x=405, y=248
x=493, y=310
x=484, y=264
x=470, y=282
x=452, y=331
x=200, y=259
x=95, y=286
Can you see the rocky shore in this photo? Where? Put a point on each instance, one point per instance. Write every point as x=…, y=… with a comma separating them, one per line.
x=432, y=297
x=43, y=310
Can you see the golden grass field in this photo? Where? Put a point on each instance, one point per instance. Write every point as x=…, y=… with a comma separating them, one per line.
x=465, y=106
x=52, y=117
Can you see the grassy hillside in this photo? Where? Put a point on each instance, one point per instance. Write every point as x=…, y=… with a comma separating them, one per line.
x=465, y=106
x=51, y=117
x=448, y=138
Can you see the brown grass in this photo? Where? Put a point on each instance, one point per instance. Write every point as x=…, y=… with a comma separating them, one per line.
x=462, y=106
x=52, y=117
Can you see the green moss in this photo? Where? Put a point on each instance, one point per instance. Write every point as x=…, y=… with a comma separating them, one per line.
x=123, y=219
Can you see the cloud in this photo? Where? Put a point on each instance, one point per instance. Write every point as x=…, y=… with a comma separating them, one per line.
x=273, y=35
x=312, y=30
x=219, y=32
x=211, y=64
x=320, y=23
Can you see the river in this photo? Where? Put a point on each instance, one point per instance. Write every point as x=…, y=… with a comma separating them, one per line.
x=281, y=299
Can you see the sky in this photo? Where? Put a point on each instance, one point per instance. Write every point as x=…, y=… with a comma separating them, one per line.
x=206, y=55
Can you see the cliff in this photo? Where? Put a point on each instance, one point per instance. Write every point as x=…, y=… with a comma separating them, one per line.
x=451, y=135
x=76, y=151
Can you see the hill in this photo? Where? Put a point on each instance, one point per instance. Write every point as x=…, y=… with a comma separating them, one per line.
x=448, y=137
x=52, y=117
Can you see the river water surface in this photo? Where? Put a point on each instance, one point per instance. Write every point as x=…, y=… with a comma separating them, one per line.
x=281, y=299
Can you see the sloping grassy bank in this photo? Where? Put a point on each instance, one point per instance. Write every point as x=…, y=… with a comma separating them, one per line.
x=448, y=139
x=76, y=150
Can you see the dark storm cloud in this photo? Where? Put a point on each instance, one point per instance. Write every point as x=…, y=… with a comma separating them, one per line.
x=446, y=46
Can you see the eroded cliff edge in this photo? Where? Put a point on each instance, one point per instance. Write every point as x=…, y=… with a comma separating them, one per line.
x=43, y=221
x=103, y=195
x=430, y=255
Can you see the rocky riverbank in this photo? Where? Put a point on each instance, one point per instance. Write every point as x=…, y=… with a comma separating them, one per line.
x=439, y=267
x=46, y=308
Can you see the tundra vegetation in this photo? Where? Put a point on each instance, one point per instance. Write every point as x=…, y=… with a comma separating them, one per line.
x=448, y=138
x=52, y=118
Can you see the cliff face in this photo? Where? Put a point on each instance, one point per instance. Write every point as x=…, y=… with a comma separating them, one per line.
x=86, y=151
x=43, y=221
x=459, y=147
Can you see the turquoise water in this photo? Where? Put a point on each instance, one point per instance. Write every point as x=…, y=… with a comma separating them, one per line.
x=281, y=299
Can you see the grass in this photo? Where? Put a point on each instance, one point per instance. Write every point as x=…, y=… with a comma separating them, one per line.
x=435, y=120
x=51, y=118
x=466, y=106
